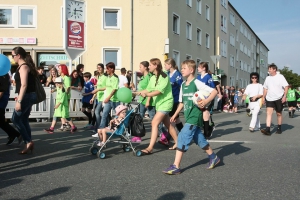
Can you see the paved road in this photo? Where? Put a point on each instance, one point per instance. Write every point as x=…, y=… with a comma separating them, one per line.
x=253, y=166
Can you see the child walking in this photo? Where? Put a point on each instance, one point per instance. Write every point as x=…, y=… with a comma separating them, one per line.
x=120, y=115
x=61, y=107
x=193, y=116
x=159, y=88
x=87, y=96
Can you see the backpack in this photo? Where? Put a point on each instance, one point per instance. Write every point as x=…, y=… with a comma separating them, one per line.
x=136, y=125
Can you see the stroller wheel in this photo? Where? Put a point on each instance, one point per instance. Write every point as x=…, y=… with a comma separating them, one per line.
x=138, y=153
x=101, y=155
x=93, y=150
x=126, y=149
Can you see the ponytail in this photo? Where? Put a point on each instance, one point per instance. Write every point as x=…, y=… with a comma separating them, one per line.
x=157, y=62
x=31, y=65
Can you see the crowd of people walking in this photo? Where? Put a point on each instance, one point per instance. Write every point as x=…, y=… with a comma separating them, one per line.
x=163, y=92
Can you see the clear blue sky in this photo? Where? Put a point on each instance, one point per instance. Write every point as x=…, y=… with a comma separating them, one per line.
x=277, y=24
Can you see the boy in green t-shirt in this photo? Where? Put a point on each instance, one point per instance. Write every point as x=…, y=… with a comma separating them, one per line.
x=193, y=116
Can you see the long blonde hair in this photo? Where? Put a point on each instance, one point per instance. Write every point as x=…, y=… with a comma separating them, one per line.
x=171, y=61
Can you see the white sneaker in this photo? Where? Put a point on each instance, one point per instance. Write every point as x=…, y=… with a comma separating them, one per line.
x=100, y=144
x=95, y=135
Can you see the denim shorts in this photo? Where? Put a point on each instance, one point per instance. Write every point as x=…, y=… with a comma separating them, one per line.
x=164, y=112
x=188, y=133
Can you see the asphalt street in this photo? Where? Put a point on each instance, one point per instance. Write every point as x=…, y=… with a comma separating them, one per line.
x=253, y=166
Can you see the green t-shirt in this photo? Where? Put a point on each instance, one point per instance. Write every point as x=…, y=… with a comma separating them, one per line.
x=142, y=86
x=63, y=109
x=67, y=84
x=112, y=83
x=101, y=84
x=299, y=95
x=291, y=95
x=192, y=114
x=163, y=101
x=247, y=100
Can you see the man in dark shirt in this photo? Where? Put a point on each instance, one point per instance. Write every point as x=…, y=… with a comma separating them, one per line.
x=42, y=76
x=4, y=96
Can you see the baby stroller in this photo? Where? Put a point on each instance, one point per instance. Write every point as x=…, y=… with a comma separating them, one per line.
x=122, y=133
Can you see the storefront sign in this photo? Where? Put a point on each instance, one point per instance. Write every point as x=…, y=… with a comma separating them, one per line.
x=17, y=40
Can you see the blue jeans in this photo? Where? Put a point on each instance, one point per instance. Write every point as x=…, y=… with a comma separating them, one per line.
x=97, y=113
x=106, y=110
x=21, y=118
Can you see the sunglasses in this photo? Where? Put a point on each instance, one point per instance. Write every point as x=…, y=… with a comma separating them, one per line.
x=13, y=55
x=253, y=77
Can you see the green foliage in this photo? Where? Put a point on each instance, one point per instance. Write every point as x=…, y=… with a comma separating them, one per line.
x=292, y=78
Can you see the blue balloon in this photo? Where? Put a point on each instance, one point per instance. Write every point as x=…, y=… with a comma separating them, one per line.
x=4, y=65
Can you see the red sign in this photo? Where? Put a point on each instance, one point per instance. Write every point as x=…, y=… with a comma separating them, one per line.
x=75, y=34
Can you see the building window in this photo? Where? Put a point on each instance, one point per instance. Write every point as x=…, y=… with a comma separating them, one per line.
x=111, y=19
x=232, y=18
x=199, y=6
x=18, y=16
x=112, y=55
x=224, y=3
x=6, y=17
x=189, y=3
x=188, y=31
x=232, y=40
x=199, y=36
x=207, y=40
x=231, y=61
x=176, y=23
x=176, y=56
x=223, y=23
x=223, y=48
x=207, y=12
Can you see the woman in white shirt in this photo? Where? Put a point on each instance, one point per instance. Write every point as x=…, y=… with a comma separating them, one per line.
x=255, y=91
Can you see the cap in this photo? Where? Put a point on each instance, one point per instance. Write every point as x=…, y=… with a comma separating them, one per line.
x=120, y=108
x=58, y=80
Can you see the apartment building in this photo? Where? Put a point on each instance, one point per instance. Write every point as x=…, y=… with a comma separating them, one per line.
x=241, y=50
x=125, y=32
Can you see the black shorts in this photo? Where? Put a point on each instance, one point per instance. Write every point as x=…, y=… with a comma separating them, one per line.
x=87, y=105
x=277, y=105
x=292, y=103
x=172, y=112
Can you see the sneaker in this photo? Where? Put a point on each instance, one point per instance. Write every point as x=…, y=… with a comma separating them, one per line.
x=95, y=135
x=73, y=129
x=265, y=132
x=211, y=129
x=11, y=140
x=251, y=129
x=278, y=131
x=67, y=127
x=50, y=131
x=213, y=162
x=100, y=144
x=172, y=170
x=136, y=140
x=62, y=128
x=164, y=142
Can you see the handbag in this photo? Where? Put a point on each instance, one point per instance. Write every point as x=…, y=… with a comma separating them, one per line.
x=40, y=91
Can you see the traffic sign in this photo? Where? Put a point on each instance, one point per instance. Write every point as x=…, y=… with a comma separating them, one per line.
x=74, y=28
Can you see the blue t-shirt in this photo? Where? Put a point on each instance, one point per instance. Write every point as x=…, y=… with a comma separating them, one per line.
x=207, y=80
x=176, y=81
x=5, y=88
x=88, y=87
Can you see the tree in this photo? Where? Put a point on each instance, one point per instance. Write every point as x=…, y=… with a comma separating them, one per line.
x=292, y=78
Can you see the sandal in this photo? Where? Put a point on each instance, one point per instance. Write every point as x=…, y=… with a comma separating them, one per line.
x=173, y=148
x=146, y=152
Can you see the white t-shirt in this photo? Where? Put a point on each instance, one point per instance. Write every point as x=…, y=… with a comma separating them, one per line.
x=254, y=89
x=122, y=80
x=275, y=86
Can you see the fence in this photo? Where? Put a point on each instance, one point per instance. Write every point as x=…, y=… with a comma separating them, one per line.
x=45, y=109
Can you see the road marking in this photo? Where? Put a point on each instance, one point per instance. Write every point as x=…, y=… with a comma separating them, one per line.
x=230, y=141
